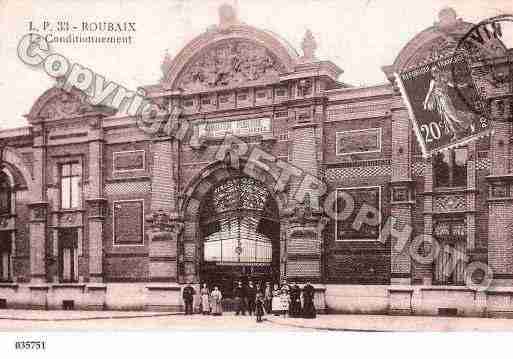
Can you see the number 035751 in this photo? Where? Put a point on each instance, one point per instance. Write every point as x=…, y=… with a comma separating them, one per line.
x=29, y=345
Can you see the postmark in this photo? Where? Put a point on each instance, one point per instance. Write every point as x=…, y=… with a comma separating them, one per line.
x=456, y=98
x=489, y=65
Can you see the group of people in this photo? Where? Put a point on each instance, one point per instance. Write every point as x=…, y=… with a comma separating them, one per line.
x=210, y=301
x=257, y=300
x=290, y=300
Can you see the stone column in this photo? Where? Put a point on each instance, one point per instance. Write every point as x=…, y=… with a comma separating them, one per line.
x=38, y=209
x=401, y=196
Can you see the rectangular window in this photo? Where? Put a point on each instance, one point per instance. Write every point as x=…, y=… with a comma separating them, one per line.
x=261, y=94
x=281, y=92
x=68, y=256
x=450, y=168
x=5, y=256
x=70, y=185
x=5, y=195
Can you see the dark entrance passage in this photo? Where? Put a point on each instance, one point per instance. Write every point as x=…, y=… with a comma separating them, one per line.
x=241, y=236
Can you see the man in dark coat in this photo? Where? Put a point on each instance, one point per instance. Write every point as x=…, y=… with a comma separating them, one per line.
x=295, y=301
x=239, y=294
x=188, y=298
x=308, y=298
x=251, y=295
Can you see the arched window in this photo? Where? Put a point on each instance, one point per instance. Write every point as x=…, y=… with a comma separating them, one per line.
x=239, y=219
x=5, y=194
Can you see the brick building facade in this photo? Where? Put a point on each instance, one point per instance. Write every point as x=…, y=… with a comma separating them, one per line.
x=98, y=213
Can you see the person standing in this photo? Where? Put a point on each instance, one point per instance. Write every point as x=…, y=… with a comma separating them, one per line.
x=217, y=305
x=205, y=299
x=308, y=299
x=188, y=298
x=239, y=296
x=268, y=297
x=251, y=296
x=276, y=302
x=295, y=301
x=259, y=306
x=285, y=302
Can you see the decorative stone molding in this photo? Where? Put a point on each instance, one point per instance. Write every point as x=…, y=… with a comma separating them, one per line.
x=97, y=207
x=56, y=104
x=402, y=192
x=450, y=203
x=164, y=226
x=38, y=211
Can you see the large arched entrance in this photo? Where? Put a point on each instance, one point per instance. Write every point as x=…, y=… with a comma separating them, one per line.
x=240, y=234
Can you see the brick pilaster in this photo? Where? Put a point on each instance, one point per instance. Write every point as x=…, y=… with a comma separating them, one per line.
x=38, y=210
x=500, y=241
x=401, y=187
x=95, y=203
x=163, y=245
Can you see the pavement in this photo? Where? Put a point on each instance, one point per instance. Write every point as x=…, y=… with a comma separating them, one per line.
x=33, y=320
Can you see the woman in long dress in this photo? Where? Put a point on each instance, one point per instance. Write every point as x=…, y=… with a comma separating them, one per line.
x=285, y=301
x=308, y=299
x=205, y=300
x=276, y=301
x=216, y=297
x=438, y=99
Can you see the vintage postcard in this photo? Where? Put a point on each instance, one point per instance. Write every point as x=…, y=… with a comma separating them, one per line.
x=251, y=165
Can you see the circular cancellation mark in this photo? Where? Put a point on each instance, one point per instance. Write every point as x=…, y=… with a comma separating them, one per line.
x=489, y=64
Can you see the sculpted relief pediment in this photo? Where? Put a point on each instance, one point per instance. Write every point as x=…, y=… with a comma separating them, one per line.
x=64, y=104
x=230, y=64
x=56, y=104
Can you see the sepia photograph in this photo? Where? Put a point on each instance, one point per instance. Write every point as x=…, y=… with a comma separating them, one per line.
x=292, y=167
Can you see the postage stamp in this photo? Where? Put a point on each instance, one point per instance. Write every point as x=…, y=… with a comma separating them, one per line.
x=447, y=98
x=441, y=118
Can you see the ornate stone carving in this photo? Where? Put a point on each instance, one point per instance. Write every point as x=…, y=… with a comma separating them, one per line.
x=451, y=202
x=64, y=105
x=164, y=224
x=166, y=63
x=447, y=17
x=230, y=63
x=227, y=16
x=38, y=211
x=309, y=45
x=450, y=230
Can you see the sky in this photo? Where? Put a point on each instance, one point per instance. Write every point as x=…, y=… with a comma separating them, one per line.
x=360, y=36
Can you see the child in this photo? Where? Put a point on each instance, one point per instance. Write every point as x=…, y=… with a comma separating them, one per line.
x=285, y=301
x=259, y=306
